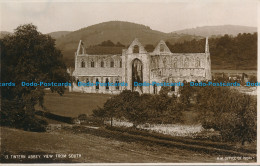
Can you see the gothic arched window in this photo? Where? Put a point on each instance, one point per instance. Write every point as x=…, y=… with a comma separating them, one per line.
x=120, y=65
x=107, y=87
x=97, y=84
x=175, y=63
x=82, y=64
x=153, y=63
x=117, y=85
x=173, y=88
x=164, y=62
x=154, y=89
x=161, y=48
x=102, y=63
x=197, y=63
x=92, y=64
x=136, y=49
x=112, y=63
x=186, y=62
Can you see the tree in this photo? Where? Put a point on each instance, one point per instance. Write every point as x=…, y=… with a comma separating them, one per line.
x=228, y=111
x=186, y=93
x=112, y=108
x=239, y=123
x=149, y=47
x=253, y=79
x=127, y=105
x=100, y=113
x=130, y=105
x=28, y=56
x=118, y=44
x=107, y=43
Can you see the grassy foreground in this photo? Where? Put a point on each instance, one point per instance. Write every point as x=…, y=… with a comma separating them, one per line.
x=91, y=148
x=72, y=104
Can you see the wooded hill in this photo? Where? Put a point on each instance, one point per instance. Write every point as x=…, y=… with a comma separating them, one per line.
x=116, y=31
x=236, y=53
x=227, y=52
x=221, y=30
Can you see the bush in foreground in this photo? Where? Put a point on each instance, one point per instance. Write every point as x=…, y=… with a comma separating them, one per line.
x=140, y=109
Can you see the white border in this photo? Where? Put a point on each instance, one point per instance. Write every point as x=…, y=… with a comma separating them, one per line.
x=164, y=1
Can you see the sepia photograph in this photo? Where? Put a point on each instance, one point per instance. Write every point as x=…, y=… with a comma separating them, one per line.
x=128, y=82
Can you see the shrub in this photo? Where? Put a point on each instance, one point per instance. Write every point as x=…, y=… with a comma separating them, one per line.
x=140, y=109
x=82, y=117
x=22, y=120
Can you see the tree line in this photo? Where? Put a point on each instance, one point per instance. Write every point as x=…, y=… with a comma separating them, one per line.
x=227, y=52
x=109, y=43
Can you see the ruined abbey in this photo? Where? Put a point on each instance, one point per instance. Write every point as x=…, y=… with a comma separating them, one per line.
x=135, y=64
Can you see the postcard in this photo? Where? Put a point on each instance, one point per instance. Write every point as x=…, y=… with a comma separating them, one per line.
x=129, y=82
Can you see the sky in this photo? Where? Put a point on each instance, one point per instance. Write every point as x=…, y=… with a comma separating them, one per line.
x=163, y=15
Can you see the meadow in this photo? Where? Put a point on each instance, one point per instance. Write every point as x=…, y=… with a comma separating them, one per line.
x=72, y=104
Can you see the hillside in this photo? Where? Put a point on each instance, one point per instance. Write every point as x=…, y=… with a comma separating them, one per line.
x=3, y=34
x=126, y=32
x=58, y=34
x=217, y=30
x=116, y=31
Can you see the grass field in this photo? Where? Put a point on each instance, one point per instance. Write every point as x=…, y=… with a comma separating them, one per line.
x=72, y=104
x=93, y=148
